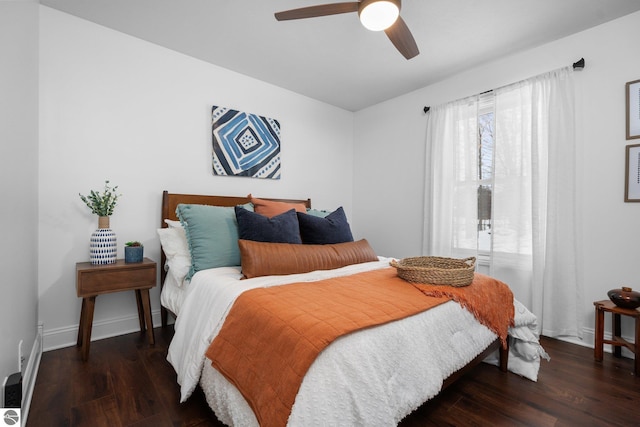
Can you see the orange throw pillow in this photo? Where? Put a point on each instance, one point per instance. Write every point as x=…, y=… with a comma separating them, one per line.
x=268, y=259
x=270, y=208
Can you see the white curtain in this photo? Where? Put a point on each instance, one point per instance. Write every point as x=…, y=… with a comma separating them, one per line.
x=452, y=170
x=533, y=234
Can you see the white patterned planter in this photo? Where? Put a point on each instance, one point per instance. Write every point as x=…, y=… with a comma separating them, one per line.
x=103, y=248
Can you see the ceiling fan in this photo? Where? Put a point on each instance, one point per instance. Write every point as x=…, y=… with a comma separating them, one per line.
x=376, y=15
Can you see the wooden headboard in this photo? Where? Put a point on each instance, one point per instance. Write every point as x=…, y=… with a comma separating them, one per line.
x=170, y=202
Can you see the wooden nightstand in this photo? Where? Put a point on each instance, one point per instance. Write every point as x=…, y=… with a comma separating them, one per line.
x=96, y=279
x=616, y=340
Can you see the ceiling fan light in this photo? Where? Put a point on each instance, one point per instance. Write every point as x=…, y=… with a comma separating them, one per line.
x=379, y=15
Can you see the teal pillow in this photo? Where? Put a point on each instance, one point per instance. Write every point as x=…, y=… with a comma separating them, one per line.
x=248, y=206
x=212, y=234
x=321, y=213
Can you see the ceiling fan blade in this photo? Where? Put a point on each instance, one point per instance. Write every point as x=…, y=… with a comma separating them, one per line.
x=320, y=10
x=402, y=39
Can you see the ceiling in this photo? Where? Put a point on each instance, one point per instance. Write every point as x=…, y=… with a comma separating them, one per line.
x=334, y=59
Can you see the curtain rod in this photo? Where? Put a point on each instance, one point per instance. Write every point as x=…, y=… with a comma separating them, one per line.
x=578, y=65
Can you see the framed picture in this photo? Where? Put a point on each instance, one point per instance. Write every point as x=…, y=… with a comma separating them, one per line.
x=632, y=175
x=633, y=109
x=244, y=144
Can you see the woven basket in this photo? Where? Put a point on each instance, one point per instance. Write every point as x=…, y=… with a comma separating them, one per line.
x=436, y=270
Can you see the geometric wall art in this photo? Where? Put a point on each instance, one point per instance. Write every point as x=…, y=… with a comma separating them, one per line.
x=244, y=144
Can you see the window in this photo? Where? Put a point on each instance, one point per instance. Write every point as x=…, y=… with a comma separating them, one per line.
x=500, y=185
x=486, y=131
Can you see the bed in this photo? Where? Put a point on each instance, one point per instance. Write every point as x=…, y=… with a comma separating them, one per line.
x=373, y=376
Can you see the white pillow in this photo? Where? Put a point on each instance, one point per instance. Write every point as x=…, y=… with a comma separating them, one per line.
x=173, y=224
x=174, y=244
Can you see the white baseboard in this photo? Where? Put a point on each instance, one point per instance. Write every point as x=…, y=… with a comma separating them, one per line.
x=30, y=374
x=67, y=336
x=589, y=339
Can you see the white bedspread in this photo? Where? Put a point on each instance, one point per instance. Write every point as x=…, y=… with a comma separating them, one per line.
x=372, y=377
x=172, y=295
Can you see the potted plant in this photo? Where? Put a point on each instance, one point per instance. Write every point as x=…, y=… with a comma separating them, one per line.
x=102, y=248
x=102, y=204
x=133, y=252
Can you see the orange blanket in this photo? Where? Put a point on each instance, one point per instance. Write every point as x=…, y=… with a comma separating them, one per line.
x=272, y=335
x=490, y=301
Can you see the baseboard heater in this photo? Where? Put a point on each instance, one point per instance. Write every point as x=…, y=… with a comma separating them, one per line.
x=12, y=391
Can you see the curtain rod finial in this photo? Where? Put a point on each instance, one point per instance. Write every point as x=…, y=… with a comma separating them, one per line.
x=579, y=65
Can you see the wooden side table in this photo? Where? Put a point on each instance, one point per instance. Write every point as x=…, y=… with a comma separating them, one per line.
x=616, y=340
x=97, y=279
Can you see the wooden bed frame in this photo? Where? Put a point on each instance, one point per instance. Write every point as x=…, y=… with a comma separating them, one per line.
x=170, y=202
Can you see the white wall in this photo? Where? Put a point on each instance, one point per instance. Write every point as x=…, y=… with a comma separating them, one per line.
x=18, y=180
x=389, y=143
x=113, y=106
x=116, y=107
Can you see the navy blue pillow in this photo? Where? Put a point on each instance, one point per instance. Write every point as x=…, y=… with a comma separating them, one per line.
x=281, y=228
x=329, y=230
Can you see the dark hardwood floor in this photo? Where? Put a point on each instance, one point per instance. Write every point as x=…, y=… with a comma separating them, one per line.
x=126, y=382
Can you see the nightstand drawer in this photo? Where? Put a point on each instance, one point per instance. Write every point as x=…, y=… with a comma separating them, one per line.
x=101, y=279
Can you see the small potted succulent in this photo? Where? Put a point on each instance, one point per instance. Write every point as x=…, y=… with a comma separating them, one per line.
x=133, y=252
